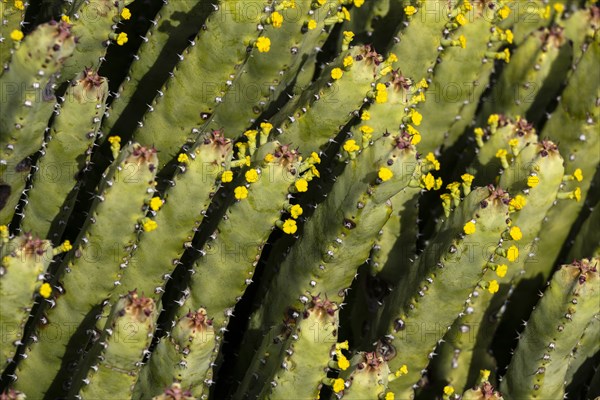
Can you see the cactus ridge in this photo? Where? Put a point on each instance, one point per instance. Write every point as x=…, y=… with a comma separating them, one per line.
x=279, y=199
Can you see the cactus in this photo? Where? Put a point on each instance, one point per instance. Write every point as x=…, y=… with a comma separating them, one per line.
x=276, y=199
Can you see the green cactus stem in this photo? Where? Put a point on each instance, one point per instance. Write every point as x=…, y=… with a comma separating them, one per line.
x=538, y=366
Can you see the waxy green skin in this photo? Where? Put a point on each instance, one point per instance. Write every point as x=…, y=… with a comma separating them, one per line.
x=453, y=269
x=307, y=122
x=21, y=270
x=307, y=357
x=184, y=356
x=230, y=27
x=25, y=115
x=265, y=76
x=126, y=336
x=367, y=378
x=232, y=256
x=176, y=21
x=335, y=237
x=181, y=213
x=326, y=267
x=543, y=53
x=458, y=82
x=569, y=303
x=65, y=154
x=128, y=177
x=469, y=339
x=10, y=19
x=93, y=24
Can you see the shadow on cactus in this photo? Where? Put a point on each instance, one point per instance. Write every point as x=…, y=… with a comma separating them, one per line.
x=307, y=199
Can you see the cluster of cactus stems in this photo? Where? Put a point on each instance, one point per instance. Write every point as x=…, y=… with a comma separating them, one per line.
x=299, y=199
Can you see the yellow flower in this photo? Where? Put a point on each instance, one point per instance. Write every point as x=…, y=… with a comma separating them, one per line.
x=126, y=14
x=493, y=286
x=509, y=36
x=381, y=93
x=358, y=3
x=467, y=178
x=416, y=117
x=263, y=44
x=419, y=98
x=114, y=139
x=342, y=345
x=296, y=211
x=493, y=119
x=315, y=171
x=410, y=10
x=348, y=61
x=155, y=203
x=578, y=175
x=289, y=226
x=350, y=146
x=469, y=228
x=403, y=370
x=269, y=158
x=392, y=58
x=66, y=246
x=251, y=175
x=240, y=192
x=276, y=19
x=501, y=153
x=65, y=18
x=301, y=185
x=338, y=385
x=266, y=127
x=346, y=13
x=501, y=270
x=515, y=233
x=517, y=203
x=16, y=35
x=389, y=396
x=343, y=362
x=122, y=39
x=576, y=194
x=485, y=374
x=430, y=157
x=438, y=184
x=422, y=84
x=504, y=12
x=312, y=24
x=385, y=174
x=19, y=5
x=448, y=390
x=314, y=157
x=227, y=177
x=348, y=36
x=149, y=225
x=460, y=19
x=462, y=40
x=559, y=7
x=183, y=158
x=45, y=290
x=366, y=129
x=506, y=55
x=365, y=116
x=415, y=139
x=512, y=254
x=533, y=181
x=336, y=73
x=428, y=181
